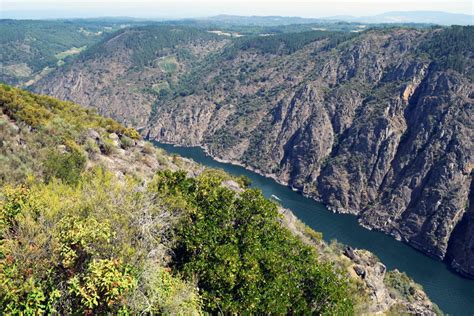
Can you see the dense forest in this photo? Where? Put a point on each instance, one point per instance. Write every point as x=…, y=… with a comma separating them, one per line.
x=148, y=42
x=32, y=48
x=455, y=52
x=288, y=43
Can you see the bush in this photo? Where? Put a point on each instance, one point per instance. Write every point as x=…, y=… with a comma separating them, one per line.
x=400, y=285
x=112, y=126
x=108, y=147
x=102, y=288
x=14, y=198
x=132, y=133
x=91, y=147
x=66, y=166
x=71, y=251
x=166, y=294
x=126, y=142
x=80, y=240
x=244, y=181
x=33, y=116
x=25, y=296
x=149, y=149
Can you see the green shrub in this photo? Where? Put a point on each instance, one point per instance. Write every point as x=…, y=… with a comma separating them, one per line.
x=33, y=116
x=132, y=133
x=81, y=239
x=149, y=149
x=112, y=126
x=73, y=248
x=102, y=288
x=167, y=294
x=25, y=296
x=316, y=237
x=162, y=158
x=108, y=146
x=91, y=146
x=244, y=181
x=400, y=285
x=14, y=198
x=66, y=166
x=126, y=142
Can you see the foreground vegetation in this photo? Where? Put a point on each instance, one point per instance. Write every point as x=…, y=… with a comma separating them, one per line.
x=77, y=238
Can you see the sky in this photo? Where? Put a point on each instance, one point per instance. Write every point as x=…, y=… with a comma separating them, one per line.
x=195, y=8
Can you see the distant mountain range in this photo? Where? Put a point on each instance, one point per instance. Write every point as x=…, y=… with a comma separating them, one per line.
x=430, y=17
x=398, y=17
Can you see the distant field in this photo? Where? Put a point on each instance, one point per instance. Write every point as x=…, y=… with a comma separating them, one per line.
x=69, y=52
x=17, y=70
x=168, y=64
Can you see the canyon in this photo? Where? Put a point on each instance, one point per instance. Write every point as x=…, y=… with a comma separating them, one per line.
x=378, y=124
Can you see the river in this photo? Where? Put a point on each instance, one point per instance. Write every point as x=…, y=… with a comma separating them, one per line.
x=453, y=293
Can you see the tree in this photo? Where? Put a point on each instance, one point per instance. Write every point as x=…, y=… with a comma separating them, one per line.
x=244, y=261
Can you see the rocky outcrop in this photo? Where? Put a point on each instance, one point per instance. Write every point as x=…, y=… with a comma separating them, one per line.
x=381, y=291
x=425, y=191
x=379, y=126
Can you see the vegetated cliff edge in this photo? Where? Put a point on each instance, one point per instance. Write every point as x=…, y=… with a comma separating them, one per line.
x=377, y=124
x=91, y=222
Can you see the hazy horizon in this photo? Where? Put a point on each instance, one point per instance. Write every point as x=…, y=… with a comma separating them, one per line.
x=51, y=9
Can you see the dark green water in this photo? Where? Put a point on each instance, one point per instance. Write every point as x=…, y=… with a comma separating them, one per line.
x=453, y=294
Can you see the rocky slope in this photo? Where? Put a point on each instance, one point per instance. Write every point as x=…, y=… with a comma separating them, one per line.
x=385, y=292
x=124, y=75
x=377, y=124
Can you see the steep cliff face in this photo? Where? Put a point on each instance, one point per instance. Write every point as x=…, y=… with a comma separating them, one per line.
x=461, y=244
x=424, y=192
x=379, y=125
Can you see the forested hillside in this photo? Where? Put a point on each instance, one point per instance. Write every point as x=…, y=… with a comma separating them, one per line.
x=376, y=123
x=94, y=220
x=30, y=49
x=144, y=65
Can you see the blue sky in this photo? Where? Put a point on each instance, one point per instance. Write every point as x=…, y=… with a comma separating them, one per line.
x=189, y=8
